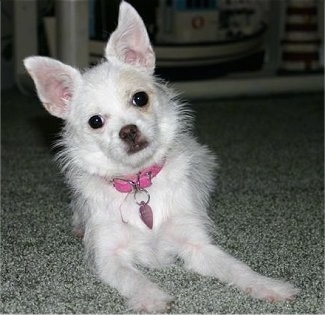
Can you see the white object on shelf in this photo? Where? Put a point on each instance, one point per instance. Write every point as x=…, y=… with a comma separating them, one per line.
x=197, y=55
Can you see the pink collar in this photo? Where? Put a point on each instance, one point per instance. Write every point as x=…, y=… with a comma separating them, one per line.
x=139, y=181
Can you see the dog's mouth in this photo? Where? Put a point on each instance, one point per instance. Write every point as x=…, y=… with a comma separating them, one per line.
x=136, y=147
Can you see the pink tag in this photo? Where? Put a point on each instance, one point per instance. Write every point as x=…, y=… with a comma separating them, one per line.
x=146, y=214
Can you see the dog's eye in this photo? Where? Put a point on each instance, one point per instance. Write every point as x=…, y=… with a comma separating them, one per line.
x=96, y=121
x=140, y=99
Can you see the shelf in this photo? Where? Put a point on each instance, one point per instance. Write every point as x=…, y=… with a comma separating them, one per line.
x=249, y=86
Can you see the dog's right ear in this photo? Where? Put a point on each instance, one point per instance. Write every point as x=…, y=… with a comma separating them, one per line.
x=56, y=83
x=130, y=42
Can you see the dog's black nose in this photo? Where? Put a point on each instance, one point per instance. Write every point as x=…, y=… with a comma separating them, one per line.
x=129, y=133
x=134, y=139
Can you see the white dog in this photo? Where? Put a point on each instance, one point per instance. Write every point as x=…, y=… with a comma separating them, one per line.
x=140, y=180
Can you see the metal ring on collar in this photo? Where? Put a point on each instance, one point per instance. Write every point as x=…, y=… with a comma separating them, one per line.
x=137, y=197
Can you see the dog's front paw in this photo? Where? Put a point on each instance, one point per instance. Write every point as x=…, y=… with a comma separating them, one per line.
x=272, y=290
x=150, y=301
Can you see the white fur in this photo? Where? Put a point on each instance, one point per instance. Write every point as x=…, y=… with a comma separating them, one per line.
x=115, y=238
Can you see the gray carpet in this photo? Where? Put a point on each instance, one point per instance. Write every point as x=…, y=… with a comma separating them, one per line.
x=268, y=210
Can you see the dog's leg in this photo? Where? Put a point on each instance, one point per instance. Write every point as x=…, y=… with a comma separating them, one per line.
x=113, y=259
x=78, y=228
x=207, y=259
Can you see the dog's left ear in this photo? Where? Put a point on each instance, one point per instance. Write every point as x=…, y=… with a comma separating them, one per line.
x=130, y=42
x=56, y=83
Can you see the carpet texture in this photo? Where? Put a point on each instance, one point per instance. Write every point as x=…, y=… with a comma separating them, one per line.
x=268, y=210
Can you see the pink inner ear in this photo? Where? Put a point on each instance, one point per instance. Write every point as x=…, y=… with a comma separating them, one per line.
x=58, y=90
x=131, y=56
x=134, y=57
x=66, y=94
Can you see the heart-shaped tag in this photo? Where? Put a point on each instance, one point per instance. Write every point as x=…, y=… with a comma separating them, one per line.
x=146, y=214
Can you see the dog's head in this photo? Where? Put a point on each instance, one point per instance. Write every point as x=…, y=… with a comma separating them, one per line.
x=118, y=119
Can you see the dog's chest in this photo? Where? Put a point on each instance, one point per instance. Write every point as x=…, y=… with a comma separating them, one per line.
x=145, y=209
